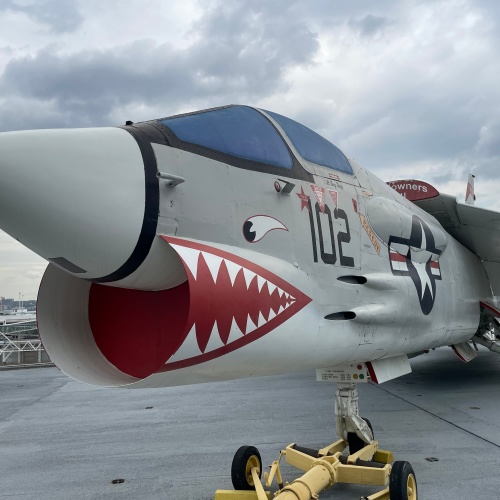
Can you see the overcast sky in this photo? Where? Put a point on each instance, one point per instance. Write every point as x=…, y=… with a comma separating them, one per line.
x=410, y=89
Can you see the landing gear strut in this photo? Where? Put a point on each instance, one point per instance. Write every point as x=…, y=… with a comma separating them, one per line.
x=354, y=458
x=350, y=426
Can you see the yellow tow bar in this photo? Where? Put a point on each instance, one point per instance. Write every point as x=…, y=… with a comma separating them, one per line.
x=322, y=469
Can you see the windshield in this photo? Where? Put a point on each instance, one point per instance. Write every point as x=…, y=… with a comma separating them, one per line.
x=312, y=146
x=237, y=130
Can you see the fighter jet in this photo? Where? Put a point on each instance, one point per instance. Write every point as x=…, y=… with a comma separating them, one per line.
x=235, y=242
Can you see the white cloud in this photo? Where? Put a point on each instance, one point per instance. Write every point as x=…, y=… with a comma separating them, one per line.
x=20, y=269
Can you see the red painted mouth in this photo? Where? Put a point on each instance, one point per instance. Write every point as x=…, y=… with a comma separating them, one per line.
x=233, y=302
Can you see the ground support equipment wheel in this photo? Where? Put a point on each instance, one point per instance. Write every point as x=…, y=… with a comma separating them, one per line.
x=402, y=482
x=241, y=469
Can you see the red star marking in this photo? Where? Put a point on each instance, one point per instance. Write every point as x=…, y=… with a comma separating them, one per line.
x=304, y=199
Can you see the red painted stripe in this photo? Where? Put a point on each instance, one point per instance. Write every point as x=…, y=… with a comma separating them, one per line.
x=492, y=309
x=396, y=257
x=458, y=354
x=371, y=371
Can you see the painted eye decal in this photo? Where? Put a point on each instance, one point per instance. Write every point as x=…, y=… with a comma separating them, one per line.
x=257, y=226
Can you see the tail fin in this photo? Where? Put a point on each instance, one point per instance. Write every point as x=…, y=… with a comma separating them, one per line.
x=470, y=197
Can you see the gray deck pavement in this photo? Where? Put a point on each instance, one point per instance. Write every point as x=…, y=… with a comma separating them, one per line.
x=60, y=439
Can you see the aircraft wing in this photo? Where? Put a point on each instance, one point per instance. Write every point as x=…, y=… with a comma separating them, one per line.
x=478, y=229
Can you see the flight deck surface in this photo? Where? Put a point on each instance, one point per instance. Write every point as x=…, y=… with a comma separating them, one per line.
x=60, y=439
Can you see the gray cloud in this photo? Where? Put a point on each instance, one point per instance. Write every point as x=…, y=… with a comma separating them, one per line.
x=488, y=169
x=429, y=98
x=239, y=55
x=370, y=25
x=489, y=138
x=413, y=128
x=60, y=15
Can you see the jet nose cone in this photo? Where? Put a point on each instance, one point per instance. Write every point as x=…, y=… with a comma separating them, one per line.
x=75, y=197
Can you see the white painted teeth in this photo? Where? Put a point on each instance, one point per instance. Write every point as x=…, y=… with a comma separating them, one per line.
x=188, y=348
x=260, y=282
x=250, y=326
x=235, y=332
x=249, y=276
x=213, y=264
x=190, y=256
x=261, y=321
x=233, y=269
x=214, y=342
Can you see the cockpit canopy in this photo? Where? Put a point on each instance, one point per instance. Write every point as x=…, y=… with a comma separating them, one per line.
x=252, y=134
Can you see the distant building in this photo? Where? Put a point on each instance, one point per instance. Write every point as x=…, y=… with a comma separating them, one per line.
x=10, y=305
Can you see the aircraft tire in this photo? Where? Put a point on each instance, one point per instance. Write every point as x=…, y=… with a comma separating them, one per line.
x=402, y=482
x=244, y=459
x=355, y=442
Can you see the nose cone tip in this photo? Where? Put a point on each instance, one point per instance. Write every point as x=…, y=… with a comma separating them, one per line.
x=75, y=197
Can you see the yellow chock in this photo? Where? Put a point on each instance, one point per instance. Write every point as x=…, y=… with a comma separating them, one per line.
x=239, y=495
x=383, y=457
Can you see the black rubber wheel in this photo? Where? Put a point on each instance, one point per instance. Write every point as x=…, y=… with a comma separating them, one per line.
x=244, y=459
x=355, y=442
x=402, y=482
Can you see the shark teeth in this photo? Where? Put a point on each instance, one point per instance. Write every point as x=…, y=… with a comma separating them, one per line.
x=229, y=301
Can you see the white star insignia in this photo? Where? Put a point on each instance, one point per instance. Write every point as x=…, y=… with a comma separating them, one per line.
x=420, y=267
x=425, y=279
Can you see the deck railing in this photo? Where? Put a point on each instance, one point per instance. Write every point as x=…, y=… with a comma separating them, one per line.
x=20, y=345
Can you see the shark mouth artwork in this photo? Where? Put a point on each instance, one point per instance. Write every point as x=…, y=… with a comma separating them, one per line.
x=417, y=257
x=226, y=303
x=233, y=302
